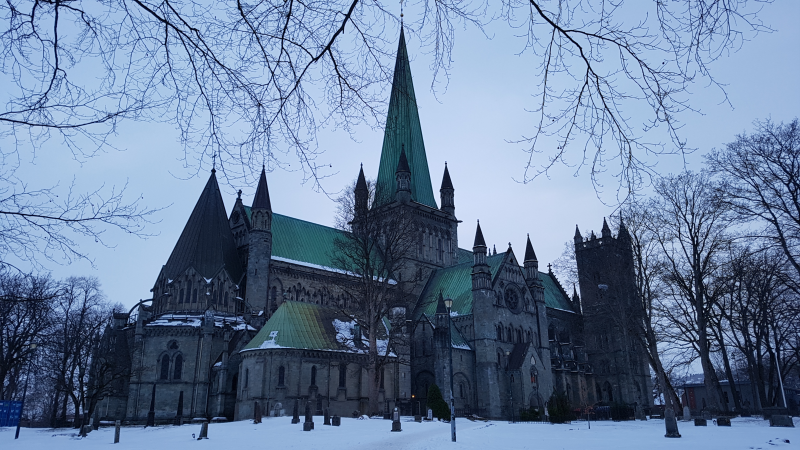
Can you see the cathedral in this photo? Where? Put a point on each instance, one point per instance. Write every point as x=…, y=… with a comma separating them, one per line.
x=245, y=315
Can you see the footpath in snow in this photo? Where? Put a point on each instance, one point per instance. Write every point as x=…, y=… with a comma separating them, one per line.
x=353, y=434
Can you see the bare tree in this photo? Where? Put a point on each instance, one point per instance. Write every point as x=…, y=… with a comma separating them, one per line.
x=762, y=173
x=692, y=227
x=25, y=305
x=253, y=81
x=373, y=252
x=80, y=314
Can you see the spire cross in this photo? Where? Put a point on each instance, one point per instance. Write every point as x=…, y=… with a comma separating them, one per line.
x=401, y=12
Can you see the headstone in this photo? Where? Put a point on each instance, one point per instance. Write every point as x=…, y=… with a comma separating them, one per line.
x=396, y=420
x=671, y=424
x=327, y=420
x=308, y=425
x=687, y=414
x=151, y=415
x=417, y=418
x=295, y=413
x=179, y=412
x=700, y=422
x=430, y=414
x=203, y=431
x=638, y=412
x=781, y=420
x=116, y=431
x=723, y=421
x=257, y=413
x=336, y=421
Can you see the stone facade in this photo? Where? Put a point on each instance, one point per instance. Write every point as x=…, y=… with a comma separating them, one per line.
x=242, y=312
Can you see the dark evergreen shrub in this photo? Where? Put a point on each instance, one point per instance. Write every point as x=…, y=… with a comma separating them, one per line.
x=437, y=404
x=559, y=409
x=620, y=411
x=530, y=415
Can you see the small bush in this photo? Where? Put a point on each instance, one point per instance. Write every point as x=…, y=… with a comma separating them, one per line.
x=620, y=412
x=530, y=415
x=437, y=404
x=559, y=409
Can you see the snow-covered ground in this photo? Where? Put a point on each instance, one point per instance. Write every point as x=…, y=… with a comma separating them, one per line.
x=279, y=433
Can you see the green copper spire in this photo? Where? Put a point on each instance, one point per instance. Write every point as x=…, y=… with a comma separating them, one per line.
x=403, y=130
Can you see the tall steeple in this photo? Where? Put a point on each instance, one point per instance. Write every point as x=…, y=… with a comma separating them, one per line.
x=361, y=193
x=403, y=130
x=481, y=275
x=259, y=248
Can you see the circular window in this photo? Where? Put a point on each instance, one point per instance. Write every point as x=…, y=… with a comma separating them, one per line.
x=235, y=217
x=512, y=299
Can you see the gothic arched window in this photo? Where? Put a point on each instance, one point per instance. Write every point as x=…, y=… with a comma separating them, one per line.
x=194, y=296
x=165, y=367
x=226, y=299
x=499, y=332
x=313, y=375
x=177, y=372
x=180, y=297
x=281, y=375
x=247, y=377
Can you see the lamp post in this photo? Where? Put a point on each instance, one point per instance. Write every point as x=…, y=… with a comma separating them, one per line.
x=24, y=393
x=449, y=303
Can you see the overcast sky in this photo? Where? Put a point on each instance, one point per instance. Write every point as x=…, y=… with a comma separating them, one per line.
x=469, y=125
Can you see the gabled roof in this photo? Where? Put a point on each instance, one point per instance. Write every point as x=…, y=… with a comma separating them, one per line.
x=454, y=282
x=299, y=325
x=206, y=242
x=554, y=295
x=403, y=130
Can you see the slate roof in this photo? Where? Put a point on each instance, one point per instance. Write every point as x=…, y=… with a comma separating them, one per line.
x=261, y=199
x=299, y=325
x=456, y=282
x=206, y=242
x=403, y=130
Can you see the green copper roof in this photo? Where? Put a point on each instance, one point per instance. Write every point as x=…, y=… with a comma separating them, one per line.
x=554, y=296
x=454, y=282
x=302, y=241
x=298, y=325
x=464, y=256
x=403, y=130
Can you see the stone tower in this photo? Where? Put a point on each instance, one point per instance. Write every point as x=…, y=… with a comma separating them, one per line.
x=260, y=248
x=608, y=299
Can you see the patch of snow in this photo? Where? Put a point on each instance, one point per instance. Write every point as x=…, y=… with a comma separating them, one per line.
x=208, y=280
x=326, y=268
x=344, y=335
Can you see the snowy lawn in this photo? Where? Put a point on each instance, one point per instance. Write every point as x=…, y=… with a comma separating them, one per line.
x=279, y=433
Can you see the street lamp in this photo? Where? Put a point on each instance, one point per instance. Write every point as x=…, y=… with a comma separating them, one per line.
x=448, y=303
x=24, y=393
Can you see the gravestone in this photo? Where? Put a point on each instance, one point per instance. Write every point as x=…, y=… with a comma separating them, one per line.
x=336, y=421
x=327, y=420
x=277, y=410
x=700, y=422
x=671, y=424
x=417, y=418
x=638, y=412
x=179, y=411
x=295, y=413
x=396, y=420
x=151, y=414
x=116, y=431
x=430, y=414
x=203, y=431
x=257, y=413
x=687, y=414
x=308, y=425
x=781, y=420
x=723, y=421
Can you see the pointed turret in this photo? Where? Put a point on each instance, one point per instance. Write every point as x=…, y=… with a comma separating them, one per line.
x=447, y=193
x=623, y=230
x=606, y=231
x=441, y=309
x=261, y=200
x=402, y=179
x=578, y=238
x=481, y=275
x=259, y=252
x=361, y=193
x=531, y=264
x=576, y=300
x=403, y=132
